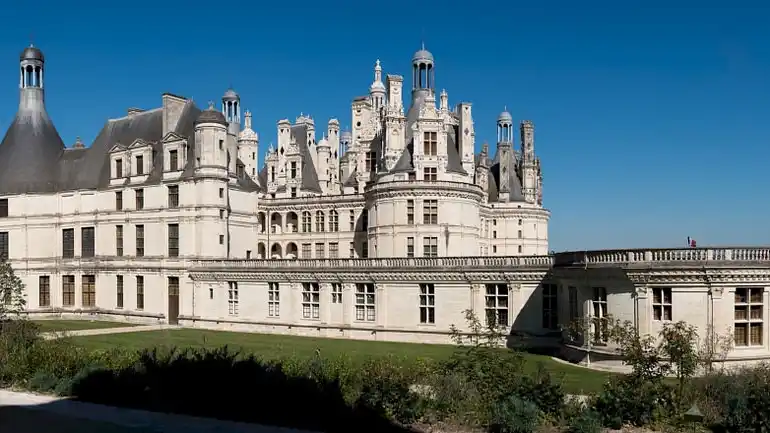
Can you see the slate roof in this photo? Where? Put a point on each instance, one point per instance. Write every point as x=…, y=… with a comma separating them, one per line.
x=493, y=178
x=33, y=158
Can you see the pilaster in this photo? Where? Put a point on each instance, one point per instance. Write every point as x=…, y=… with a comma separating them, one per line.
x=381, y=302
x=325, y=298
x=642, y=309
x=348, y=303
x=294, y=302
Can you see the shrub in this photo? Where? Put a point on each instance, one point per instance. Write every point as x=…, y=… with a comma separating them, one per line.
x=629, y=400
x=387, y=390
x=514, y=415
x=736, y=401
x=585, y=421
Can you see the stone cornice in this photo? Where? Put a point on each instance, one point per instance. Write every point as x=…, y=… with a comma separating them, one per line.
x=421, y=188
x=348, y=201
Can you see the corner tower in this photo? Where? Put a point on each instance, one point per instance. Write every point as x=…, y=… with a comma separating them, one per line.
x=30, y=150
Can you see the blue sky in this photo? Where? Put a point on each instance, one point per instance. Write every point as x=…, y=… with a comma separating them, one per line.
x=651, y=121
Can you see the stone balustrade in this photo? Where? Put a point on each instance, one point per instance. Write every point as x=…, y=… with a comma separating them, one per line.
x=666, y=256
x=728, y=256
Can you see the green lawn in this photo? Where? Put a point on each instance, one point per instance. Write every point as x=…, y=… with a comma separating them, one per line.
x=576, y=380
x=54, y=325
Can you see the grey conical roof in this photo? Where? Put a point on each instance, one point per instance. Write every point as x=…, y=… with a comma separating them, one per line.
x=30, y=150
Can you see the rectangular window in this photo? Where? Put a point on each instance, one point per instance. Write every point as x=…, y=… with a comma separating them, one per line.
x=311, y=301
x=430, y=143
x=371, y=162
x=307, y=222
x=320, y=224
x=573, y=303
x=140, y=240
x=334, y=221
x=430, y=246
x=239, y=171
x=88, y=288
x=496, y=306
x=173, y=196
x=44, y=291
x=232, y=298
x=221, y=144
x=599, y=304
x=293, y=170
x=320, y=249
x=221, y=239
x=365, y=305
x=430, y=174
x=352, y=221
x=68, y=243
x=307, y=251
x=119, y=291
x=87, y=242
x=3, y=208
x=173, y=160
x=5, y=246
x=430, y=212
x=273, y=299
x=410, y=211
x=68, y=290
x=173, y=240
x=334, y=250
x=410, y=247
x=139, y=164
x=118, y=200
x=139, y=198
x=749, y=318
x=550, y=306
x=118, y=168
x=119, y=240
x=293, y=193
x=336, y=293
x=427, y=303
x=352, y=250
x=365, y=249
x=140, y=292
x=661, y=303
x=221, y=193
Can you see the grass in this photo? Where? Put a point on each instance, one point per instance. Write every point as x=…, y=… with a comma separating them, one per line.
x=576, y=380
x=77, y=325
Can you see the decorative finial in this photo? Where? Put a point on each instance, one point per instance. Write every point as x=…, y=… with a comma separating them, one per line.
x=211, y=105
x=31, y=39
x=377, y=64
x=505, y=108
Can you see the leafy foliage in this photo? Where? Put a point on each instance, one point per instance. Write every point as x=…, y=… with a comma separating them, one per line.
x=514, y=415
x=12, y=299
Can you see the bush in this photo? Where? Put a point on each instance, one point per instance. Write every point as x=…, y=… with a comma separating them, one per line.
x=514, y=415
x=736, y=401
x=387, y=390
x=585, y=421
x=629, y=400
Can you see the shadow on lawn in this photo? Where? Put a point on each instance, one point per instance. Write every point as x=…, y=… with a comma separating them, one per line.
x=220, y=384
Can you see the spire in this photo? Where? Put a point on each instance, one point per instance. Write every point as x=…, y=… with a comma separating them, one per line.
x=247, y=120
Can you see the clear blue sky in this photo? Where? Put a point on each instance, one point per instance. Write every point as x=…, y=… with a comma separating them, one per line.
x=652, y=122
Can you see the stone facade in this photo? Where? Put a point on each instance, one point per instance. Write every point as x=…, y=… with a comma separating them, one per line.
x=115, y=228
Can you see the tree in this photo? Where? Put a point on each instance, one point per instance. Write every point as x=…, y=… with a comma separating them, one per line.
x=678, y=343
x=12, y=299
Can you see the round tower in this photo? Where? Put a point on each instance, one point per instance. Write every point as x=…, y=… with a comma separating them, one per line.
x=423, y=70
x=377, y=89
x=505, y=127
x=248, y=147
x=211, y=141
x=31, y=62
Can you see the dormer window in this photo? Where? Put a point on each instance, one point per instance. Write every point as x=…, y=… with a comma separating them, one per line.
x=239, y=171
x=173, y=160
x=118, y=168
x=139, y=164
x=293, y=170
x=272, y=174
x=430, y=143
